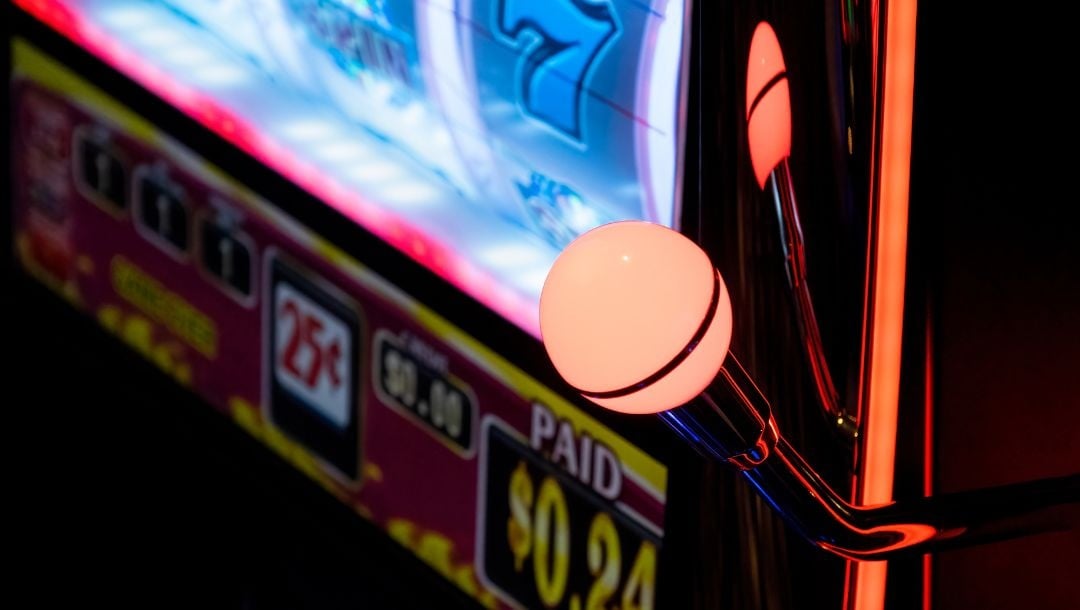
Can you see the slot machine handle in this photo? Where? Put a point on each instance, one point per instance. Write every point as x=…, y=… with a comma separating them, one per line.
x=616, y=332
x=768, y=128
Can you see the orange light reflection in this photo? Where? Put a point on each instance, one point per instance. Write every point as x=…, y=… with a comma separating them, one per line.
x=880, y=415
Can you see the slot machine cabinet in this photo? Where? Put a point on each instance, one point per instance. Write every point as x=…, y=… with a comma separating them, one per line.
x=328, y=223
x=151, y=204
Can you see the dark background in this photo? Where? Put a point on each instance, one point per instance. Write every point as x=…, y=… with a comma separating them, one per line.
x=993, y=224
x=121, y=493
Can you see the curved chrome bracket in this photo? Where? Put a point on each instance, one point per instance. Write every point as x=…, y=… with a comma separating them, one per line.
x=732, y=422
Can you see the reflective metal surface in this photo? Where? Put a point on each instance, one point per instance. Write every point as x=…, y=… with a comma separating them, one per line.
x=791, y=239
x=732, y=422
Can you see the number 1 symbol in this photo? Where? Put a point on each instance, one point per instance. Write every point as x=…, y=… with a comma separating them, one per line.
x=101, y=164
x=164, y=220
x=562, y=40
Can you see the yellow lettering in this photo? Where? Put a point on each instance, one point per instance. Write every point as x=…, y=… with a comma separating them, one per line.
x=164, y=306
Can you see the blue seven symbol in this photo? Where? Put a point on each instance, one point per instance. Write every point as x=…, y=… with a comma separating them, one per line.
x=560, y=41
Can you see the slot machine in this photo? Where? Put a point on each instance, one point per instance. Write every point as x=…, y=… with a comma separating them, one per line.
x=353, y=232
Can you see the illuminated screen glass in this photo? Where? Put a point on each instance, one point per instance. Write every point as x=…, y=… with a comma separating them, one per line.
x=478, y=136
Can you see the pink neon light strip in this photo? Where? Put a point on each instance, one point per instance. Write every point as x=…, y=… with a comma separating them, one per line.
x=417, y=244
